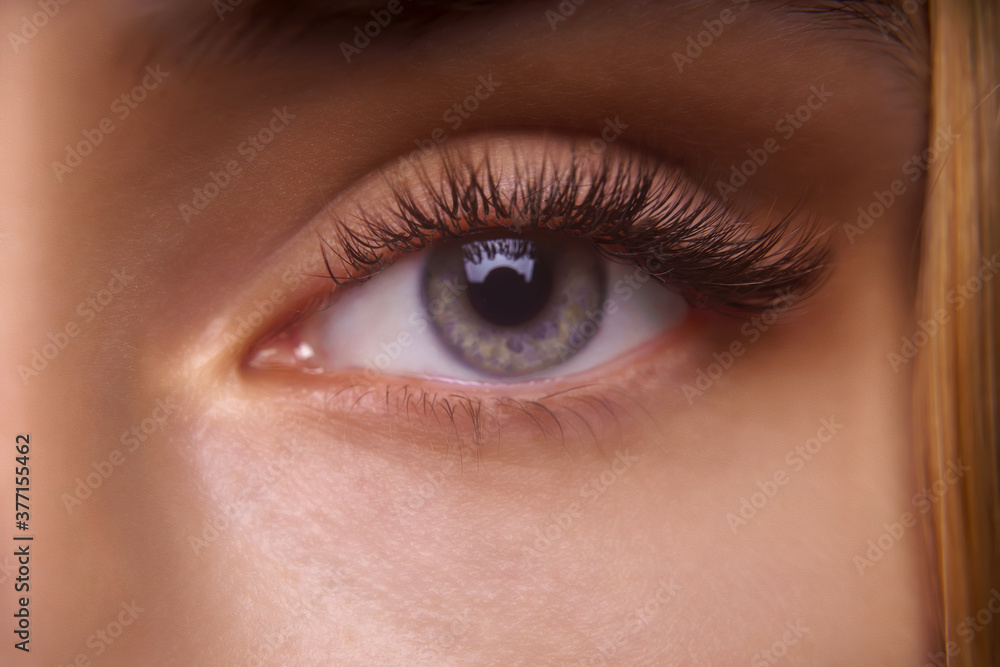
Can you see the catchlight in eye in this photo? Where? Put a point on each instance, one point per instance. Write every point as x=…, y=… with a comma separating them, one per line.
x=523, y=303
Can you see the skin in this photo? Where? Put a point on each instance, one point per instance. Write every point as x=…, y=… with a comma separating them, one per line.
x=331, y=548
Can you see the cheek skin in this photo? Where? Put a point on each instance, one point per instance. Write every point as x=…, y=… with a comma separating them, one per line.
x=404, y=552
x=376, y=535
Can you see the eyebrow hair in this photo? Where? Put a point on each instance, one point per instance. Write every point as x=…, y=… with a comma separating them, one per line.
x=253, y=28
x=261, y=26
x=876, y=21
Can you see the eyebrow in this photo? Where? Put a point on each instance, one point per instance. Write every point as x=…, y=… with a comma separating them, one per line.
x=254, y=28
x=239, y=29
x=877, y=21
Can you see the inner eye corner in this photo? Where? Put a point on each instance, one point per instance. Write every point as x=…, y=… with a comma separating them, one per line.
x=277, y=330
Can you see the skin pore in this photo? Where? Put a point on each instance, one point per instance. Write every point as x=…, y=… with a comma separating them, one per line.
x=282, y=517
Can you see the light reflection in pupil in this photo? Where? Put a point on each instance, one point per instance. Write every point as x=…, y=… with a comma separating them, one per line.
x=509, y=284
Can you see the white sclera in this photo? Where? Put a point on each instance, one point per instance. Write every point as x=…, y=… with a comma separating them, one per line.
x=383, y=325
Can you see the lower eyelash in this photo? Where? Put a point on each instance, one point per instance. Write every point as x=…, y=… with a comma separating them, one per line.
x=480, y=425
x=634, y=209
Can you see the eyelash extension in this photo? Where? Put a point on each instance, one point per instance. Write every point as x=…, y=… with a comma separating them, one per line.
x=634, y=208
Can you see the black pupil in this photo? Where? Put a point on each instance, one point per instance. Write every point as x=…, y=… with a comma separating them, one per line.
x=509, y=281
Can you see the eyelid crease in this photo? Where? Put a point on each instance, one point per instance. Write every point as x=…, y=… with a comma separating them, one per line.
x=634, y=207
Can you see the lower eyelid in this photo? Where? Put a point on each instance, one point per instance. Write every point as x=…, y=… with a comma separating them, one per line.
x=515, y=423
x=594, y=411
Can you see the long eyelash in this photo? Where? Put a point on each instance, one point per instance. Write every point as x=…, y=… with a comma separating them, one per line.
x=634, y=209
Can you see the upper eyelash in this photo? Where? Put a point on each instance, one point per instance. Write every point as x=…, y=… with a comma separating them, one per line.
x=635, y=209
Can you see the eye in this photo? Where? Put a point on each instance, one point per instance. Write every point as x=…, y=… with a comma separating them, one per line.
x=498, y=309
x=529, y=261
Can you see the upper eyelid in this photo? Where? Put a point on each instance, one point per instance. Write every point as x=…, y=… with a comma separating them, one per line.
x=636, y=207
